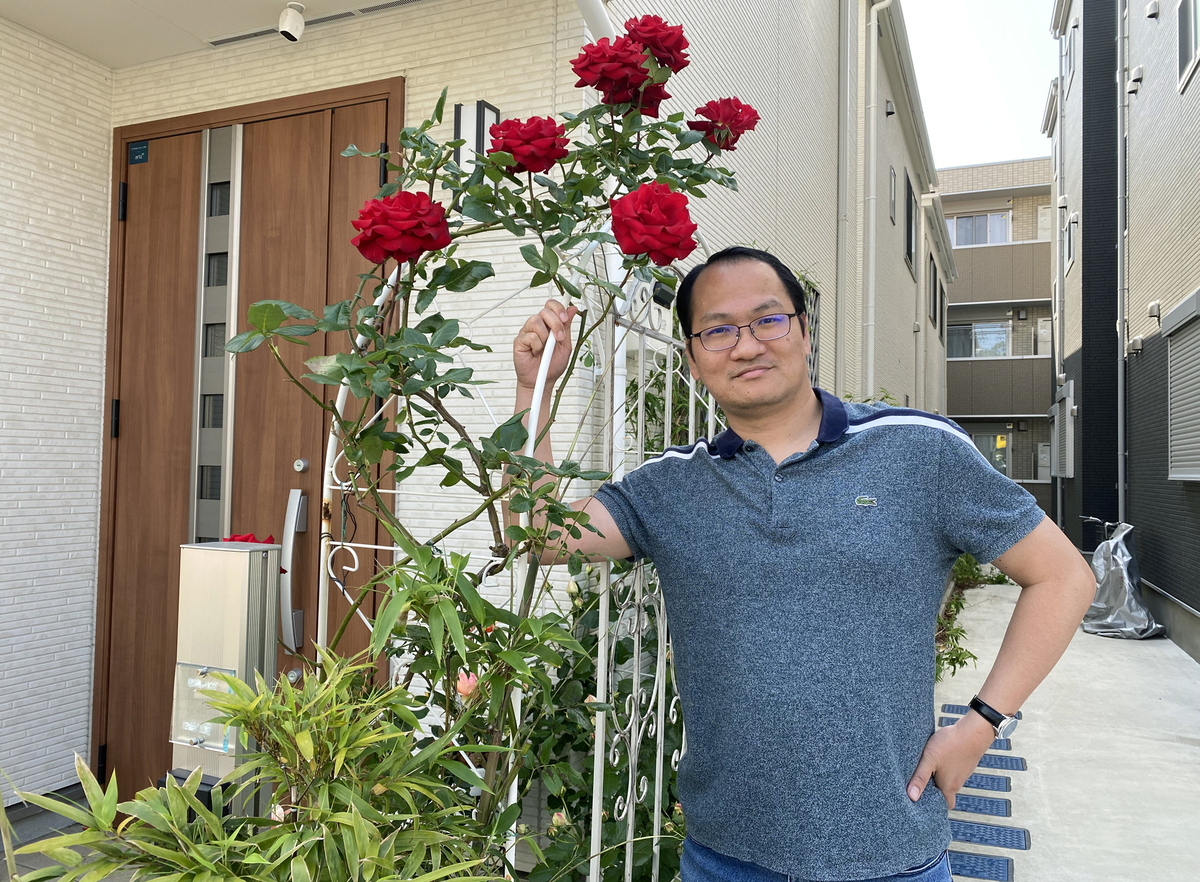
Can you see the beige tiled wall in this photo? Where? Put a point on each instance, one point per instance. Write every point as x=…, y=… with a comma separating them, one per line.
x=1021, y=173
x=1025, y=216
x=55, y=117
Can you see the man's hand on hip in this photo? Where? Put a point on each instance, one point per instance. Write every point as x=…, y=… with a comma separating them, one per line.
x=951, y=755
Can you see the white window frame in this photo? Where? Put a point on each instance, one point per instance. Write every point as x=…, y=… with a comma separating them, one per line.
x=910, y=223
x=973, y=356
x=1008, y=458
x=1071, y=53
x=892, y=202
x=1187, y=18
x=933, y=288
x=952, y=228
x=1181, y=327
x=1070, y=236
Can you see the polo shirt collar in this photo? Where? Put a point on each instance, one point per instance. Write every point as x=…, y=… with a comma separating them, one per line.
x=833, y=425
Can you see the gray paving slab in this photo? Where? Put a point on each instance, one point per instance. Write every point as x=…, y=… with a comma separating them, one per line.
x=1112, y=738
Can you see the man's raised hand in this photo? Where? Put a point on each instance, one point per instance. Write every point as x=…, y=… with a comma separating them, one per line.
x=554, y=318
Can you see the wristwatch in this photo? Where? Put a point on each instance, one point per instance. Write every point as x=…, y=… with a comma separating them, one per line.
x=1002, y=723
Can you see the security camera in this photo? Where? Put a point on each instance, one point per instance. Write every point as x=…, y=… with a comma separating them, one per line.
x=291, y=22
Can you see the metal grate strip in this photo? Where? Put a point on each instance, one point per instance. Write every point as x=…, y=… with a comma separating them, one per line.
x=990, y=834
x=1008, y=763
x=983, y=805
x=978, y=781
x=981, y=866
x=225, y=41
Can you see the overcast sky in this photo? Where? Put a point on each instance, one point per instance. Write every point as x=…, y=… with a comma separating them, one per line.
x=984, y=68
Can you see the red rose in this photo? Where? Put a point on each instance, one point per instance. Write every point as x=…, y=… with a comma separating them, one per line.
x=653, y=95
x=729, y=118
x=536, y=144
x=665, y=42
x=403, y=225
x=653, y=220
x=614, y=69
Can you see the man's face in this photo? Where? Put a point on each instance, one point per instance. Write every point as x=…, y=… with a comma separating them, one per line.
x=754, y=374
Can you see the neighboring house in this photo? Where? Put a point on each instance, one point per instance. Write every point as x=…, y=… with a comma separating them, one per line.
x=154, y=172
x=1157, y=346
x=999, y=366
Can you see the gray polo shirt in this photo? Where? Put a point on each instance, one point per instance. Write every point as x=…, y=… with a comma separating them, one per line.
x=802, y=599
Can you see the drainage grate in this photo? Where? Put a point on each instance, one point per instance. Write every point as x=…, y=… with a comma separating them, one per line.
x=961, y=709
x=990, y=834
x=947, y=721
x=983, y=805
x=1008, y=763
x=979, y=781
x=981, y=866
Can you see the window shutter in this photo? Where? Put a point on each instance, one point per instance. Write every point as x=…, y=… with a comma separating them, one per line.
x=1183, y=372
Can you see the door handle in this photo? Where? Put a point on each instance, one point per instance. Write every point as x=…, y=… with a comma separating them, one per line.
x=291, y=620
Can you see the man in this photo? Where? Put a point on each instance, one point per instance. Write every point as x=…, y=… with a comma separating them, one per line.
x=802, y=555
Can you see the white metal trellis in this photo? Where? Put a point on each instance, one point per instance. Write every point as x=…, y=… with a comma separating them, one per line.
x=633, y=602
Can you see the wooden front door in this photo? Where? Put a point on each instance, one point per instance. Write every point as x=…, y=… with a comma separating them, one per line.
x=298, y=197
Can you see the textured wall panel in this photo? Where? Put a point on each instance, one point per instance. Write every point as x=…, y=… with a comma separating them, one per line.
x=55, y=116
x=996, y=175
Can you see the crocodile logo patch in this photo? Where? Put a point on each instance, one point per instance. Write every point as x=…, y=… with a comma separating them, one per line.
x=866, y=501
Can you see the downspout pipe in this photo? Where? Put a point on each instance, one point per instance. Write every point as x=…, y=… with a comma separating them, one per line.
x=923, y=282
x=868, y=379
x=844, y=246
x=1058, y=335
x=919, y=323
x=595, y=16
x=1122, y=290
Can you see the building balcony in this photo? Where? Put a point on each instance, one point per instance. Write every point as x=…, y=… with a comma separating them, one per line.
x=995, y=387
x=1015, y=271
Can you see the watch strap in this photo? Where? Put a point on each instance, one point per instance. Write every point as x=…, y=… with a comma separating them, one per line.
x=986, y=711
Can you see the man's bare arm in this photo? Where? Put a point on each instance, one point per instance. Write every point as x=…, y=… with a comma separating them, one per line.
x=527, y=349
x=1056, y=588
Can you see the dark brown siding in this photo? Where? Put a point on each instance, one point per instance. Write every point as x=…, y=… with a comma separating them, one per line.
x=1020, y=271
x=998, y=386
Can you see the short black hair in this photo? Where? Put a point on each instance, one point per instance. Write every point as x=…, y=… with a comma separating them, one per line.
x=796, y=289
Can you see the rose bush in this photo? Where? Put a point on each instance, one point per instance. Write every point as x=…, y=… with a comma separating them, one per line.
x=395, y=783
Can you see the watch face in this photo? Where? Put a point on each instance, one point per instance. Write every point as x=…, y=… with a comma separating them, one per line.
x=1005, y=729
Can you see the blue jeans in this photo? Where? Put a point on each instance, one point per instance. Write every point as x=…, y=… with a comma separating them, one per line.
x=701, y=864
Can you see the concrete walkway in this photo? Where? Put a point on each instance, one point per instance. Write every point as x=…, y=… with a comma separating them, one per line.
x=1112, y=742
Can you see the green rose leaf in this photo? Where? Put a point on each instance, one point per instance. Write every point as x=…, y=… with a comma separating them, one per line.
x=444, y=334
x=337, y=317
x=265, y=315
x=477, y=209
x=247, y=341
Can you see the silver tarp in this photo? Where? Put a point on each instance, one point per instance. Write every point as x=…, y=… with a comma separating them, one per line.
x=1118, y=610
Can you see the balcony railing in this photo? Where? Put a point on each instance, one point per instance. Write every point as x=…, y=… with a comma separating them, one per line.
x=1012, y=386
x=1017, y=271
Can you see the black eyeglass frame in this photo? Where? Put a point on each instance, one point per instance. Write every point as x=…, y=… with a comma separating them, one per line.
x=750, y=327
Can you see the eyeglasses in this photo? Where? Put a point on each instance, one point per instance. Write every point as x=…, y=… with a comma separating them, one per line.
x=769, y=327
